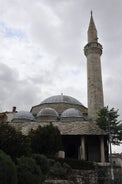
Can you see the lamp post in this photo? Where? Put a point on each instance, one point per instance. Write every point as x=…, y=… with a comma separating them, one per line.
x=110, y=149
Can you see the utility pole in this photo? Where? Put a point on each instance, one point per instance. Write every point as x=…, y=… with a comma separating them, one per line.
x=110, y=150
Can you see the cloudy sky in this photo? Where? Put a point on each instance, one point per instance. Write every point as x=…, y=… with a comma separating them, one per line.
x=41, y=50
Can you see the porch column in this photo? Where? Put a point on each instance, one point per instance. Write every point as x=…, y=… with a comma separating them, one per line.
x=83, y=148
x=61, y=154
x=102, y=149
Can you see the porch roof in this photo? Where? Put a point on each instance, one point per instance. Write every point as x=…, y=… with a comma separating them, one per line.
x=79, y=128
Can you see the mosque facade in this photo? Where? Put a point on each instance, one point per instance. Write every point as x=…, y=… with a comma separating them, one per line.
x=81, y=137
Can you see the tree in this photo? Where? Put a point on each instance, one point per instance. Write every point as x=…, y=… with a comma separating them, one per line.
x=60, y=171
x=108, y=121
x=46, y=140
x=28, y=171
x=42, y=161
x=8, y=174
x=13, y=142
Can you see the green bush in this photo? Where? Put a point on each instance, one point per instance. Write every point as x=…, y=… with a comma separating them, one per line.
x=8, y=174
x=60, y=171
x=42, y=161
x=45, y=140
x=28, y=171
x=77, y=164
x=13, y=142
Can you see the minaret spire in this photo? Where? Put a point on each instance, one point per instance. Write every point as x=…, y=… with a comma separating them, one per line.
x=91, y=12
x=93, y=51
x=92, y=31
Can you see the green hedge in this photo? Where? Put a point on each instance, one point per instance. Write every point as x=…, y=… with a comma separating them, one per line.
x=77, y=164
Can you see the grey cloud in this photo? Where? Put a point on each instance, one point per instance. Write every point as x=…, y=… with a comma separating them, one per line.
x=6, y=73
x=15, y=91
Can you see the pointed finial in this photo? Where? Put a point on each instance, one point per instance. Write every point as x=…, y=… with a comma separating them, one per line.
x=92, y=32
x=91, y=12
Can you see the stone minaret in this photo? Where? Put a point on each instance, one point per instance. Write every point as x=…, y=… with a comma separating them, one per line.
x=93, y=51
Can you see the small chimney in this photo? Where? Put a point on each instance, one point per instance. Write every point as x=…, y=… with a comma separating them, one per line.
x=14, y=109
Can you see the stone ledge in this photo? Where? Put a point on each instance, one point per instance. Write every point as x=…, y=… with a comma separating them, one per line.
x=58, y=182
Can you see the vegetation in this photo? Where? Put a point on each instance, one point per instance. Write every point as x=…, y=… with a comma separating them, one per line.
x=34, y=168
x=61, y=171
x=77, y=164
x=8, y=174
x=43, y=163
x=13, y=142
x=30, y=168
x=28, y=171
x=45, y=140
x=108, y=121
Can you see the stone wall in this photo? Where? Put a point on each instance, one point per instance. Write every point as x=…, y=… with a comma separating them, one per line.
x=58, y=182
x=101, y=175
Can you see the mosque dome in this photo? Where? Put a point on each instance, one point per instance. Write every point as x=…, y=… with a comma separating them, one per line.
x=71, y=112
x=47, y=112
x=24, y=115
x=60, y=103
x=61, y=99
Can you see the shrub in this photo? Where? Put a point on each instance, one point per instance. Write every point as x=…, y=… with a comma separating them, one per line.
x=77, y=164
x=13, y=142
x=28, y=171
x=42, y=161
x=45, y=140
x=8, y=174
x=60, y=171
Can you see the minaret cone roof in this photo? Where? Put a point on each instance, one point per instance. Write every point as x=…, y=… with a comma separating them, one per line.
x=92, y=31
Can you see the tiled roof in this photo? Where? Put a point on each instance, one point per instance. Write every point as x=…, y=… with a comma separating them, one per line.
x=79, y=128
x=66, y=128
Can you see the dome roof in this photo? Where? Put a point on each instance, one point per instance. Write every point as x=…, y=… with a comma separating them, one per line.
x=24, y=115
x=72, y=112
x=61, y=99
x=47, y=112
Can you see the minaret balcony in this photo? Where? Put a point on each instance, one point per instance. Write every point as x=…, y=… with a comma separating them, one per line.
x=93, y=48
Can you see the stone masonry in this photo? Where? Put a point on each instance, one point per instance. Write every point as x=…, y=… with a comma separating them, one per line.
x=93, y=51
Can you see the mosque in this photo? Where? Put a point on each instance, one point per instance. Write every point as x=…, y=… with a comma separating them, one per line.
x=81, y=137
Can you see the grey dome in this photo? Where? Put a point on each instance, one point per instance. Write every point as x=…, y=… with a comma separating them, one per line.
x=61, y=99
x=72, y=112
x=47, y=112
x=24, y=115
